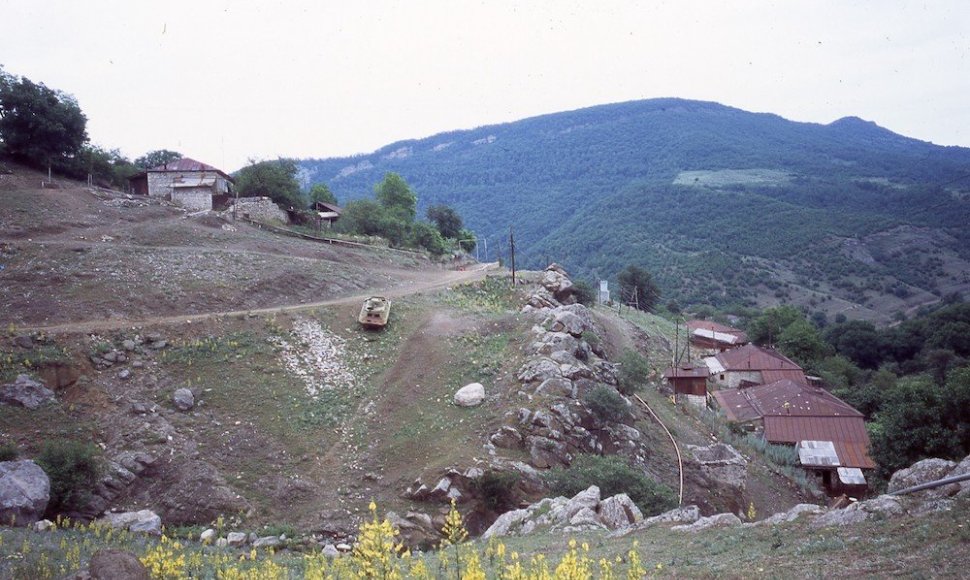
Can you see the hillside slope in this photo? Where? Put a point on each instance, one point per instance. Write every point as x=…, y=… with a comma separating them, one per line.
x=726, y=207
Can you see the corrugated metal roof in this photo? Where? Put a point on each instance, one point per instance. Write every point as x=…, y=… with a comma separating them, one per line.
x=817, y=454
x=771, y=376
x=847, y=434
x=715, y=335
x=687, y=371
x=736, y=406
x=716, y=327
x=755, y=358
x=187, y=164
x=851, y=476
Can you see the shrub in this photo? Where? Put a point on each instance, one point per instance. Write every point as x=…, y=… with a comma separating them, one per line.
x=606, y=404
x=73, y=468
x=8, y=452
x=612, y=475
x=584, y=293
x=496, y=490
x=634, y=372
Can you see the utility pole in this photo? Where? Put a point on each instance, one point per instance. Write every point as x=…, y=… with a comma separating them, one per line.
x=512, y=249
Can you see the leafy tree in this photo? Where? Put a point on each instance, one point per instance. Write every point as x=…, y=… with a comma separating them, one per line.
x=584, y=293
x=859, y=340
x=801, y=341
x=396, y=196
x=158, y=157
x=37, y=124
x=273, y=179
x=424, y=235
x=606, y=404
x=766, y=328
x=634, y=372
x=362, y=216
x=447, y=220
x=106, y=167
x=467, y=239
x=321, y=193
x=635, y=281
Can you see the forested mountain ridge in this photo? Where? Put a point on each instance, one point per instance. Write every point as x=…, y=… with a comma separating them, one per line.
x=726, y=207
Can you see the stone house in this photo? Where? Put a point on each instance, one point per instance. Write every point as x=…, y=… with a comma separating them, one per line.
x=752, y=365
x=186, y=182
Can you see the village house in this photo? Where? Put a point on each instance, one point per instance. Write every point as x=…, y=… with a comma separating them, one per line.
x=829, y=435
x=326, y=213
x=689, y=382
x=750, y=365
x=710, y=337
x=186, y=182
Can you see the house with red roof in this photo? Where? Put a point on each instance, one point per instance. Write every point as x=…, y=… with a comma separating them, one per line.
x=829, y=434
x=750, y=365
x=712, y=337
x=186, y=182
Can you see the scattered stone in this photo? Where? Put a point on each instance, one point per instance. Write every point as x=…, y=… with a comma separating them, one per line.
x=791, y=515
x=24, y=341
x=470, y=395
x=183, y=399
x=208, y=536
x=344, y=547
x=717, y=521
x=222, y=543
x=883, y=506
x=330, y=551
x=24, y=492
x=145, y=521
x=112, y=564
x=267, y=542
x=129, y=345
x=26, y=392
x=124, y=375
x=43, y=525
x=236, y=539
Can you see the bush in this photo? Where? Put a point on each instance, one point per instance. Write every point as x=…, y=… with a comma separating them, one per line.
x=612, y=475
x=584, y=293
x=496, y=490
x=606, y=404
x=8, y=452
x=634, y=372
x=74, y=469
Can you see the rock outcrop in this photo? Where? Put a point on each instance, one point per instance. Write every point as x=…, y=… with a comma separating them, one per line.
x=584, y=511
x=25, y=392
x=24, y=492
x=144, y=521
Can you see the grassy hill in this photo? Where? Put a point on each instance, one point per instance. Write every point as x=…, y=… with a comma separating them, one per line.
x=726, y=207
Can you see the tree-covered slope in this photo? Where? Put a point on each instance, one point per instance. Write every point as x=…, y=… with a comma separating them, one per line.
x=726, y=206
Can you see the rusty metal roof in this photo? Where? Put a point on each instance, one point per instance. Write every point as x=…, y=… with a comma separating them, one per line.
x=715, y=327
x=784, y=397
x=755, y=358
x=847, y=434
x=687, y=371
x=185, y=164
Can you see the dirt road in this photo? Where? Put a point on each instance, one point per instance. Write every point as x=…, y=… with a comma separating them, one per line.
x=430, y=280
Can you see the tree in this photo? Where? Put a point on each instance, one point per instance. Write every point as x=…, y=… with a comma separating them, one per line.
x=37, y=124
x=800, y=340
x=637, y=284
x=766, y=328
x=321, y=193
x=396, y=196
x=273, y=179
x=424, y=235
x=158, y=157
x=859, y=340
x=447, y=220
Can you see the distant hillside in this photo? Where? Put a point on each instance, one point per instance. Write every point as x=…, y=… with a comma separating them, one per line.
x=726, y=207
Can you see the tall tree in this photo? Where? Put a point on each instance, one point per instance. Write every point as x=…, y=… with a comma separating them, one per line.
x=321, y=193
x=37, y=124
x=273, y=179
x=446, y=219
x=397, y=197
x=158, y=157
x=635, y=282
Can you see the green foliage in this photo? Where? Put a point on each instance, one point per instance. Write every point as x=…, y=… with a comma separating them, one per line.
x=156, y=158
x=467, y=239
x=613, y=475
x=858, y=340
x=606, y=404
x=634, y=372
x=321, y=193
x=273, y=179
x=397, y=198
x=800, y=340
x=8, y=452
x=106, y=167
x=496, y=490
x=766, y=328
x=424, y=235
x=446, y=220
x=39, y=125
x=73, y=468
x=584, y=293
x=636, y=285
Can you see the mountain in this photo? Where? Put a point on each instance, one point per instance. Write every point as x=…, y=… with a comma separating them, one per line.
x=726, y=207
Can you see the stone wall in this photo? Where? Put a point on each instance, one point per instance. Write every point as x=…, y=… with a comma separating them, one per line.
x=160, y=183
x=193, y=198
x=261, y=209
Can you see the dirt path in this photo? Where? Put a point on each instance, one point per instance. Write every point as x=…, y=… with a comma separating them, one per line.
x=425, y=283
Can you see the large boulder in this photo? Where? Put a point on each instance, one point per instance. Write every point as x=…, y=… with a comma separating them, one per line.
x=112, y=564
x=183, y=399
x=144, y=521
x=883, y=506
x=555, y=280
x=619, y=511
x=470, y=395
x=924, y=472
x=24, y=492
x=25, y=392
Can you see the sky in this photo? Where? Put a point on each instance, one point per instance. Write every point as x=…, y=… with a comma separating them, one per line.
x=226, y=82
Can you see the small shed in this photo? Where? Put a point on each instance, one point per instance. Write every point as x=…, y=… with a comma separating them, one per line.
x=689, y=382
x=326, y=213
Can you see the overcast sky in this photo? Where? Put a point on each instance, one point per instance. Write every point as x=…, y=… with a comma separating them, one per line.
x=224, y=82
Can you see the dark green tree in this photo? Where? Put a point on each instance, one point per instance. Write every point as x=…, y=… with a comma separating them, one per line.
x=859, y=340
x=766, y=328
x=396, y=196
x=321, y=193
x=39, y=125
x=637, y=283
x=158, y=157
x=273, y=179
x=446, y=219
x=800, y=340
x=424, y=235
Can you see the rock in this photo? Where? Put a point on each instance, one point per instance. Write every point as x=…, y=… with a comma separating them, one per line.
x=538, y=370
x=557, y=386
x=236, y=539
x=267, y=542
x=158, y=344
x=791, y=515
x=883, y=506
x=344, y=547
x=568, y=322
x=24, y=492
x=183, y=399
x=586, y=517
x=721, y=463
x=26, y=392
x=505, y=523
x=145, y=521
x=112, y=564
x=417, y=530
x=129, y=345
x=588, y=498
x=330, y=551
x=440, y=491
x=124, y=375
x=545, y=453
x=619, y=511
x=718, y=521
x=24, y=341
x=43, y=525
x=470, y=395
x=208, y=536
x=222, y=543
x=922, y=472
